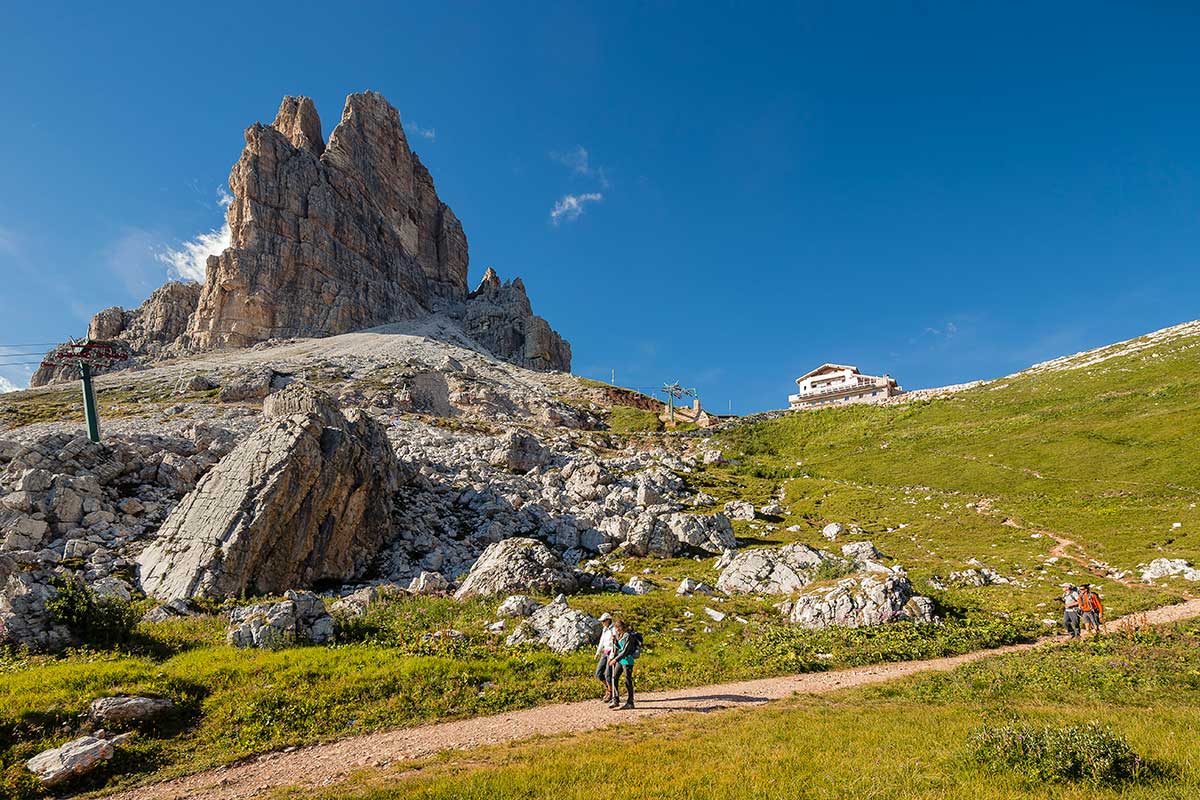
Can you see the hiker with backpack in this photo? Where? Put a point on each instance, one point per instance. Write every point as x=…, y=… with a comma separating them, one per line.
x=627, y=646
x=1091, y=610
x=1070, y=601
x=604, y=651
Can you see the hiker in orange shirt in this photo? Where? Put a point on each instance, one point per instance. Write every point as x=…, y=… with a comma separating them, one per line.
x=1091, y=610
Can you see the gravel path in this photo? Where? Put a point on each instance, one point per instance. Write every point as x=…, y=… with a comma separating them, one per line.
x=326, y=764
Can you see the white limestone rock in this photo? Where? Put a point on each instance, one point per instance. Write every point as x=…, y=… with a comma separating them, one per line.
x=76, y=757
x=514, y=565
x=117, y=712
x=833, y=530
x=739, y=509
x=518, y=605
x=300, y=617
x=859, y=601
x=1161, y=568
x=557, y=626
x=772, y=571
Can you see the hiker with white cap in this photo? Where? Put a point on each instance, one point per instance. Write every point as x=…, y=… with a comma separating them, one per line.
x=1070, y=601
x=604, y=652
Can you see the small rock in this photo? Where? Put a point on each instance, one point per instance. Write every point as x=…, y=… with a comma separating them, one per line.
x=739, y=509
x=833, y=530
x=128, y=710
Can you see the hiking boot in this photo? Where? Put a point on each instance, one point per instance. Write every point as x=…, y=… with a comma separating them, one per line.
x=616, y=703
x=628, y=705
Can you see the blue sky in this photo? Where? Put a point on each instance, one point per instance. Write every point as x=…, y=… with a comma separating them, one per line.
x=940, y=191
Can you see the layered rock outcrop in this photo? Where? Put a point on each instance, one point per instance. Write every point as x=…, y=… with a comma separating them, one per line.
x=499, y=317
x=329, y=238
x=152, y=330
x=307, y=497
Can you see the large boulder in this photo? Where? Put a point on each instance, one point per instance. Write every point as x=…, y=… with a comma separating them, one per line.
x=739, y=509
x=772, y=571
x=307, y=497
x=514, y=566
x=859, y=601
x=519, y=452
x=559, y=627
x=671, y=534
x=76, y=757
x=301, y=617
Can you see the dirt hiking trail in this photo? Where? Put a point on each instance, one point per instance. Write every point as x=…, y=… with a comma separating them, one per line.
x=327, y=764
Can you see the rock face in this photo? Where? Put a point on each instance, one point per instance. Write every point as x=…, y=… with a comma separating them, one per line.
x=338, y=237
x=307, y=497
x=558, y=626
x=860, y=601
x=517, y=565
x=330, y=238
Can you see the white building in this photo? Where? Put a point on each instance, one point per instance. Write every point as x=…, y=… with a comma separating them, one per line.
x=836, y=384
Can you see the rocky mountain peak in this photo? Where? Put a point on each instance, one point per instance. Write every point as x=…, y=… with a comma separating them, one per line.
x=331, y=238
x=298, y=120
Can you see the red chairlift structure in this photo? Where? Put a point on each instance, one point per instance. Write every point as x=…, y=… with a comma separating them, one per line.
x=88, y=355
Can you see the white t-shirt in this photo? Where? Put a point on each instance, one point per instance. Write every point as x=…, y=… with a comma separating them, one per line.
x=1071, y=597
x=606, y=642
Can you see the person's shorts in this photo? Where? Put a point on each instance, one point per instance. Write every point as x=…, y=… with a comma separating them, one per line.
x=1089, y=618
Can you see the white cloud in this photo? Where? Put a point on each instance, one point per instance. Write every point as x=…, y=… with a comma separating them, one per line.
x=571, y=206
x=7, y=386
x=425, y=133
x=949, y=330
x=579, y=161
x=190, y=260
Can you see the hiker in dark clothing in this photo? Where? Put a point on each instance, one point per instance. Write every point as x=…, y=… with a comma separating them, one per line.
x=624, y=648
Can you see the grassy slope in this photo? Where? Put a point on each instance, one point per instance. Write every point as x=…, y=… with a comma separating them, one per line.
x=1104, y=455
x=903, y=740
x=236, y=703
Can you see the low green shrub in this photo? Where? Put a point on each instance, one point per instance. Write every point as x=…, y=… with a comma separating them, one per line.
x=18, y=783
x=98, y=621
x=1088, y=753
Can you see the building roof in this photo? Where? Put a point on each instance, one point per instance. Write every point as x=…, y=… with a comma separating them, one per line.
x=828, y=367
